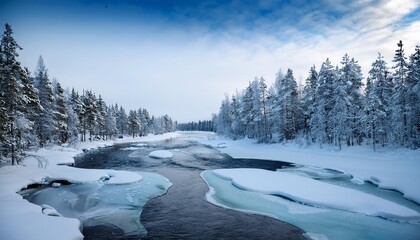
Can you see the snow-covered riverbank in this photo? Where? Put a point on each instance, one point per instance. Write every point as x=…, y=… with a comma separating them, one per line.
x=396, y=169
x=20, y=219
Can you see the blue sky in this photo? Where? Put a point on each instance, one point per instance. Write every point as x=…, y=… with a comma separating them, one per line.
x=181, y=57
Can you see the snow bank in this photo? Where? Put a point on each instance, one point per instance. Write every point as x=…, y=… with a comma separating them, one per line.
x=20, y=219
x=395, y=169
x=312, y=192
x=161, y=154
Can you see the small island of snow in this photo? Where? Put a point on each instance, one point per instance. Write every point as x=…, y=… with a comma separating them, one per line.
x=161, y=154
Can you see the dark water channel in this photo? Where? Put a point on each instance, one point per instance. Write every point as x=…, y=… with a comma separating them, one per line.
x=183, y=212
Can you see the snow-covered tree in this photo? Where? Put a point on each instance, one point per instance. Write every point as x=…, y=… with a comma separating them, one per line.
x=88, y=114
x=110, y=122
x=45, y=123
x=10, y=93
x=399, y=104
x=321, y=119
x=286, y=105
x=377, y=107
x=347, y=99
x=100, y=117
x=247, y=118
x=61, y=113
x=308, y=99
x=238, y=129
x=133, y=123
x=413, y=99
x=223, y=120
x=122, y=121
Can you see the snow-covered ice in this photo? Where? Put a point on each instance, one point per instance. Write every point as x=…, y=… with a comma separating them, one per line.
x=318, y=223
x=314, y=193
x=96, y=203
x=161, y=154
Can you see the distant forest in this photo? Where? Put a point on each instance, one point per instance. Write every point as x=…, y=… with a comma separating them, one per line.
x=333, y=107
x=196, y=126
x=36, y=111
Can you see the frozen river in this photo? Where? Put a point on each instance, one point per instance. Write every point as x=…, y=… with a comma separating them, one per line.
x=181, y=213
x=159, y=209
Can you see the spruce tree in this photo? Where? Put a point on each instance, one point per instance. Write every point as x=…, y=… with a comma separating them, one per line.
x=101, y=115
x=377, y=107
x=399, y=104
x=308, y=99
x=45, y=124
x=133, y=123
x=413, y=99
x=61, y=116
x=10, y=94
x=321, y=120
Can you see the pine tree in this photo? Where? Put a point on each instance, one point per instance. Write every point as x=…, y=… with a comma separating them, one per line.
x=289, y=107
x=275, y=106
x=247, y=117
x=45, y=125
x=28, y=112
x=347, y=99
x=73, y=113
x=308, y=100
x=11, y=93
x=413, y=99
x=399, y=108
x=321, y=120
x=88, y=114
x=133, y=123
x=340, y=113
x=122, y=121
x=224, y=120
x=377, y=106
x=61, y=116
x=238, y=130
x=167, y=124
x=110, y=122
x=100, y=119
x=264, y=135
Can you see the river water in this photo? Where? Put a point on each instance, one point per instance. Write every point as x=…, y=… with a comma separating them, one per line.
x=183, y=212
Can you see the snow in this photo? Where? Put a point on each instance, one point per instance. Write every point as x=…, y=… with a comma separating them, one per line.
x=395, y=169
x=161, y=154
x=314, y=193
x=20, y=219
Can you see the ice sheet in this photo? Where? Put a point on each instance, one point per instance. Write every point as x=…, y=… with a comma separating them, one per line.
x=97, y=203
x=318, y=223
x=315, y=193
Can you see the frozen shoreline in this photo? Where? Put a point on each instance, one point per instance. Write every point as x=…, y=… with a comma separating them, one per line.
x=393, y=169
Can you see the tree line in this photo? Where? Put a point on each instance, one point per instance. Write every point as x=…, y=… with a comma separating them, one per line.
x=205, y=125
x=333, y=107
x=36, y=111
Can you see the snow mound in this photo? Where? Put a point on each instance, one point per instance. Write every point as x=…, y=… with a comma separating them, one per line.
x=161, y=154
x=312, y=192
